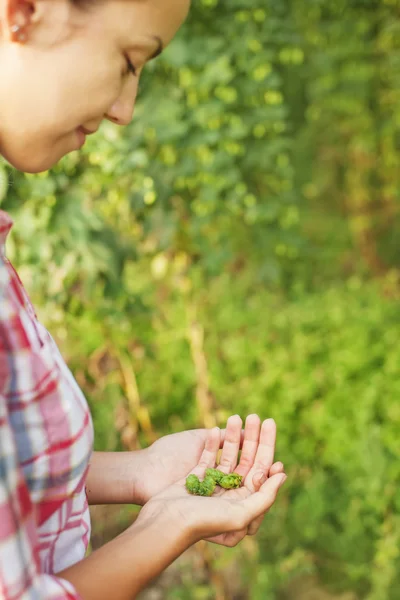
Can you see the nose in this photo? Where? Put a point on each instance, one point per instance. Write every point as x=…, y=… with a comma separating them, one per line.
x=121, y=111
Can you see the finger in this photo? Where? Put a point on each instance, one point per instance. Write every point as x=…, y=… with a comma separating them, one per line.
x=266, y=448
x=276, y=468
x=250, y=444
x=255, y=525
x=230, y=449
x=260, y=502
x=265, y=452
x=229, y=540
x=261, y=476
x=258, y=479
x=223, y=433
x=209, y=455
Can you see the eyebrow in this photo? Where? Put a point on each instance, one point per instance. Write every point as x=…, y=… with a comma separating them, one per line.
x=159, y=49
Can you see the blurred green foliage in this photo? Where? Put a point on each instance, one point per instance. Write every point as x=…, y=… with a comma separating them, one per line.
x=236, y=249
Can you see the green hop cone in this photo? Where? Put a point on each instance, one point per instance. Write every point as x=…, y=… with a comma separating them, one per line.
x=215, y=474
x=211, y=480
x=207, y=486
x=193, y=484
x=231, y=481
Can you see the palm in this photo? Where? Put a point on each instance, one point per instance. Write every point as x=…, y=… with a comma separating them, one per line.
x=199, y=508
x=232, y=538
x=173, y=457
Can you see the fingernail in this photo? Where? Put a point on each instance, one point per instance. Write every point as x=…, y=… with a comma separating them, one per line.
x=284, y=477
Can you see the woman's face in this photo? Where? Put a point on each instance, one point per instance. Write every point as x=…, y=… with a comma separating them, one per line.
x=72, y=70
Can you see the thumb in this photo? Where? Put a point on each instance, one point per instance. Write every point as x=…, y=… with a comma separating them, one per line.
x=259, y=479
x=258, y=503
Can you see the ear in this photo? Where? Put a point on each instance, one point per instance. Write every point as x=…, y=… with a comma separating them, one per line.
x=16, y=17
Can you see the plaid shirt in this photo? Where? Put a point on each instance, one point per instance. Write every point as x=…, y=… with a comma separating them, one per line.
x=46, y=439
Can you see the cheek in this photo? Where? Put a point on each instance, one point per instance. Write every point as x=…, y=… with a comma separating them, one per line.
x=88, y=82
x=89, y=93
x=42, y=131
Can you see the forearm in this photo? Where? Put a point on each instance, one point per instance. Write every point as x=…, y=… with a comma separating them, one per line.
x=123, y=567
x=114, y=477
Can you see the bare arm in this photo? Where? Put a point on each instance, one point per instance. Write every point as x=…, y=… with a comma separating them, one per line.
x=124, y=566
x=113, y=477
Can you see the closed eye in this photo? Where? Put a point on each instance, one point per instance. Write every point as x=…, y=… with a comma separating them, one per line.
x=131, y=67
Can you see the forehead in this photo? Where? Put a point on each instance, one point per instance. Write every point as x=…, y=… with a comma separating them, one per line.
x=161, y=18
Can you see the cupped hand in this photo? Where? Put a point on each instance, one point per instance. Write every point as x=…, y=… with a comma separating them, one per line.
x=256, y=464
x=168, y=460
x=174, y=456
x=225, y=517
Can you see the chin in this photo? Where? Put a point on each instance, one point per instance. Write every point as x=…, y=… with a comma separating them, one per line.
x=33, y=161
x=32, y=165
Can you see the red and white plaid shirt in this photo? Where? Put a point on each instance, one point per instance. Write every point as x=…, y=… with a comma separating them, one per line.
x=46, y=439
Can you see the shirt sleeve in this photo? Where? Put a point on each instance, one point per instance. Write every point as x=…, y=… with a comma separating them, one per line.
x=20, y=576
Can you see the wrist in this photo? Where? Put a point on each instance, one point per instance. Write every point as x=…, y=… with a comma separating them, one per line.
x=144, y=476
x=168, y=519
x=138, y=468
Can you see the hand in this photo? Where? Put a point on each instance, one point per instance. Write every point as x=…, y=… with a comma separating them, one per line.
x=174, y=456
x=222, y=516
x=256, y=464
x=167, y=460
x=135, y=477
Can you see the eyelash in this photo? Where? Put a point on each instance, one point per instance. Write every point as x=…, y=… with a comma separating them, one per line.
x=131, y=67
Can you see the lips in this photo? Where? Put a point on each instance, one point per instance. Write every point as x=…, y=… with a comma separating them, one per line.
x=81, y=137
x=81, y=133
x=86, y=131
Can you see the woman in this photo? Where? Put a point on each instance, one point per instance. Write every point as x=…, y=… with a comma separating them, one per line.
x=65, y=66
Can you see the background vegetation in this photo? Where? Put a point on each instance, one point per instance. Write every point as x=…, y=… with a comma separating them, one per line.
x=236, y=249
